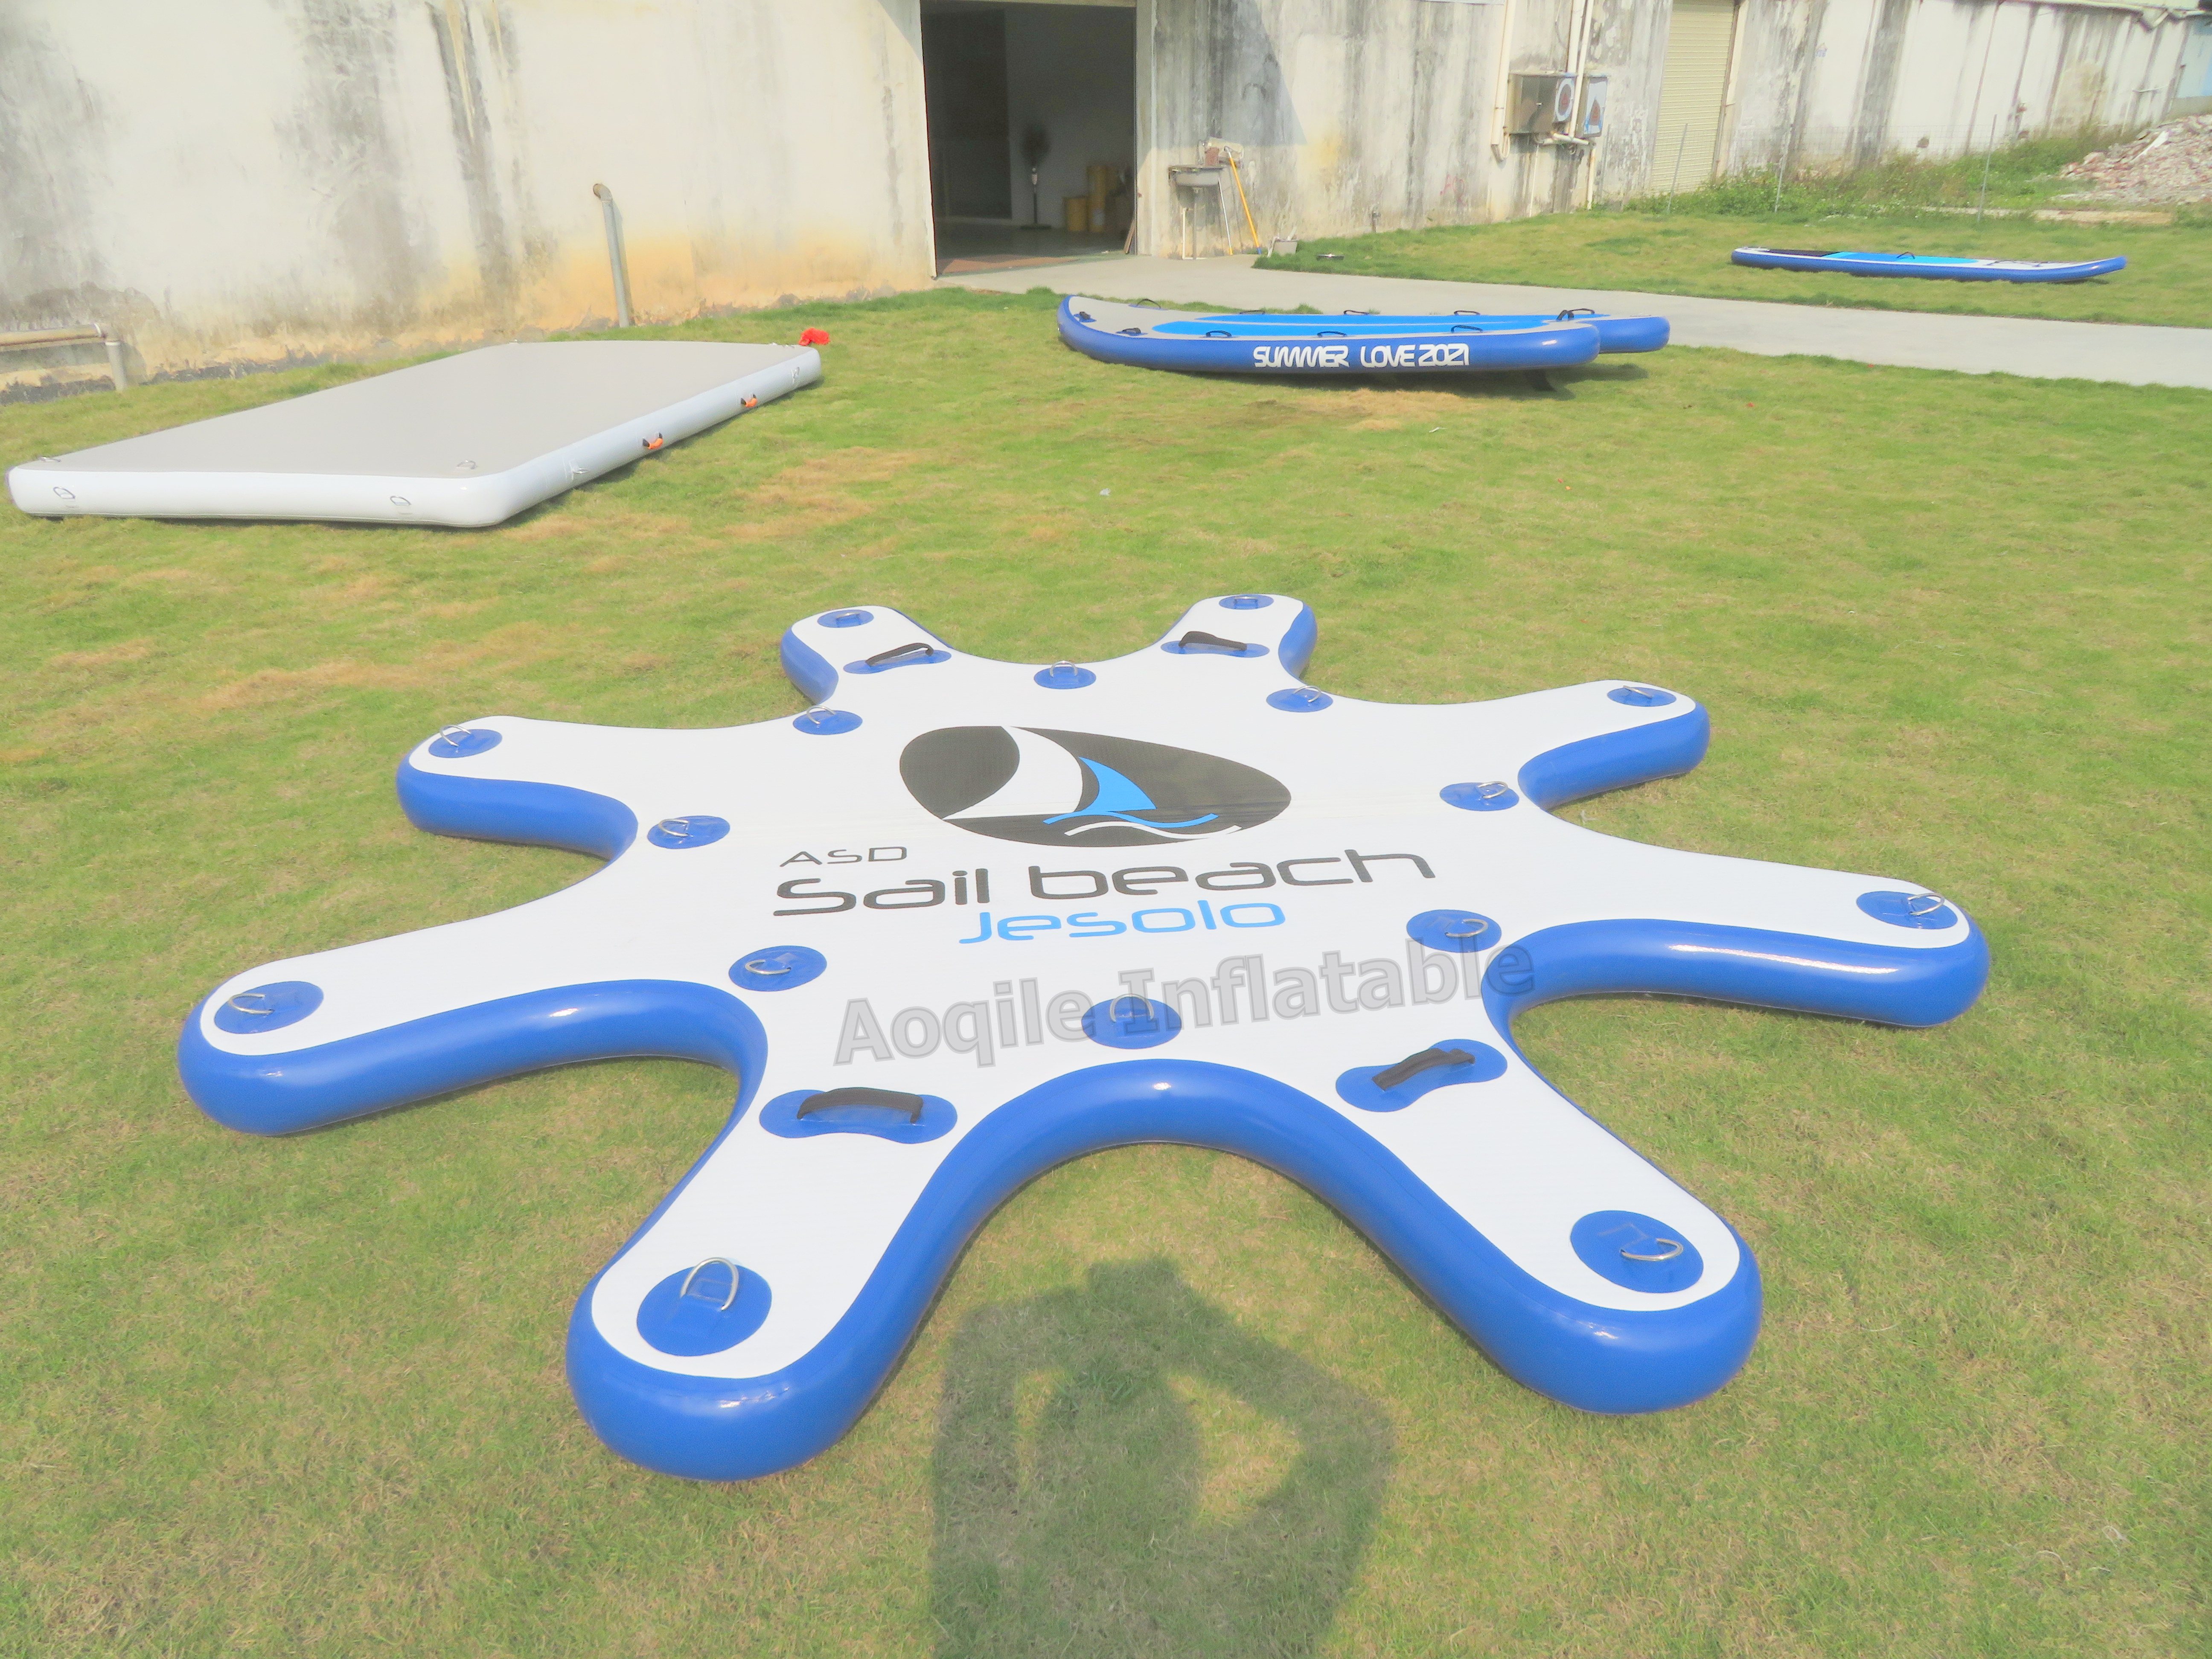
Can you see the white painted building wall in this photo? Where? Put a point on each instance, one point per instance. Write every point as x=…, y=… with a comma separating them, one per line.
x=1356, y=114
x=1849, y=81
x=265, y=180
x=1385, y=113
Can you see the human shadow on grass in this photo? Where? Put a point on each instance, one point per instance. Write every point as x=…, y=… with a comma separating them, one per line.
x=1098, y=1528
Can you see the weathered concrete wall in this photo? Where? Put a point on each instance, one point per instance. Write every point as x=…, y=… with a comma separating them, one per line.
x=1833, y=82
x=1383, y=112
x=243, y=184
x=256, y=183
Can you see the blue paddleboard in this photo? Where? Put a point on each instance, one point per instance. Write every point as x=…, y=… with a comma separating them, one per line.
x=1146, y=337
x=1939, y=266
x=1613, y=333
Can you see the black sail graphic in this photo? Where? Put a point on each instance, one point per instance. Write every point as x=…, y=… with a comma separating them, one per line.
x=1082, y=789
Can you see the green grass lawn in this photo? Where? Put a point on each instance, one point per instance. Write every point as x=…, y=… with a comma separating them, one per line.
x=2168, y=279
x=304, y=1397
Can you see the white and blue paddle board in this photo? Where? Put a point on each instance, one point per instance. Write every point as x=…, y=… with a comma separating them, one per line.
x=1148, y=337
x=1613, y=333
x=1940, y=266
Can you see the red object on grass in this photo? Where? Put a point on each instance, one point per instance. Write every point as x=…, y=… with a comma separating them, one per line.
x=814, y=336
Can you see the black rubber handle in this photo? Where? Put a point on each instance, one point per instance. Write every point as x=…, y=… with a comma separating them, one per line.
x=1427, y=1061
x=898, y=651
x=889, y=1098
x=1195, y=641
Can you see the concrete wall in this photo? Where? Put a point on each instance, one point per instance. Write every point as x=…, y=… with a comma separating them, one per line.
x=1836, y=82
x=2193, y=87
x=262, y=181
x=1380, y=112
x=1385, y=112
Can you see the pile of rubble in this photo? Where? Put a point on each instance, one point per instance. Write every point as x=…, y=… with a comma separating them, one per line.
x=2170, y=163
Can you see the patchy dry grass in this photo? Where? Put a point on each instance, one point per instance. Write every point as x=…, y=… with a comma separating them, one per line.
x=304, y=1397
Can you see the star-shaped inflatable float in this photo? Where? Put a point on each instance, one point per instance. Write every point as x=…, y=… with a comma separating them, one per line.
x=967, y=920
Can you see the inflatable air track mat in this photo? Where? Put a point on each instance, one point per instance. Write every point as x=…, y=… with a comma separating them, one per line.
x=468, y=441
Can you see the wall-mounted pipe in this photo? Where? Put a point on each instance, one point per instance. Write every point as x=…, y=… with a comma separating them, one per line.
x=1501, y=143
x=612, y=216
x=27, y=338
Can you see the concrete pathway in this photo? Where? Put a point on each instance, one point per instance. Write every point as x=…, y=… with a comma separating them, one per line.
x=2122, y=352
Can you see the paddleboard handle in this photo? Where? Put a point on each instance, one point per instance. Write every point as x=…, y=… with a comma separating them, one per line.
x=898, y=652
x=1414, y=1065
x=910, y=1105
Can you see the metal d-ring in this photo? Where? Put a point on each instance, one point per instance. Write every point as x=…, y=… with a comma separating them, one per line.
x=239, y=1008
x=818, y=715
x=1922, y=904
x=1493, y=790
x=455, y=734
x=675, y=828
x=1139, y=1014
x=1475, y=931
x=761, y=967
x=1668, y=1254
x=736, y=1272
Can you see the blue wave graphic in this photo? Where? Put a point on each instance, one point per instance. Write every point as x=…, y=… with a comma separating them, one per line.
x=1117, y=797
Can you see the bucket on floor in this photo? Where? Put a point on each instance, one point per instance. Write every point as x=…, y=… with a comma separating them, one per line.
x=1078, y=209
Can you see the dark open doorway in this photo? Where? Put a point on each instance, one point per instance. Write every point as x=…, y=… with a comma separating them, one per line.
x=963, y=68
x=1009, y=82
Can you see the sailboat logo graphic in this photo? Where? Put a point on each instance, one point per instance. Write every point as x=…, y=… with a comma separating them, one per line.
x=1082, y=788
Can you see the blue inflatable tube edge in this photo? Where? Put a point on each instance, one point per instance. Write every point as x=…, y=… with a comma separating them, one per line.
x=1597, y=1359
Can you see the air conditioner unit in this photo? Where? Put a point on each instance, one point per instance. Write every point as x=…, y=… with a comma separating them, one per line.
x=1591, y=123
x=1543, y=104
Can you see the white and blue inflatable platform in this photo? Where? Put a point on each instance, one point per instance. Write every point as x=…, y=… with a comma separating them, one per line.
x=965, y=919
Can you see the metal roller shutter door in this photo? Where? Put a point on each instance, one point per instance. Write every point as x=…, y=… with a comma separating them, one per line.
x=1692, y=89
